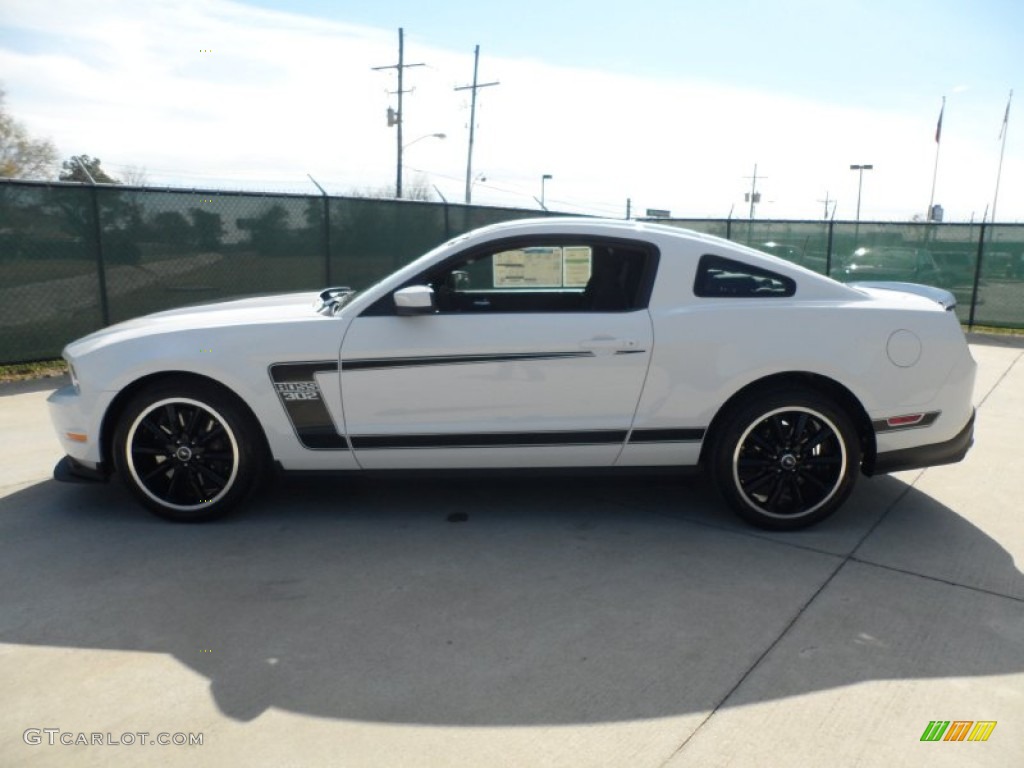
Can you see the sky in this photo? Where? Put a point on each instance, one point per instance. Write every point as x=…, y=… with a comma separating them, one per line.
x=667, y=104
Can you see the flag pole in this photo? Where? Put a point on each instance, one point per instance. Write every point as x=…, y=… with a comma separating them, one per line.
x=1002, y=151
x=935, y=173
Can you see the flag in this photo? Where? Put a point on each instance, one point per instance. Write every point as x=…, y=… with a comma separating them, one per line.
x=938, y=127
x=1006, y=116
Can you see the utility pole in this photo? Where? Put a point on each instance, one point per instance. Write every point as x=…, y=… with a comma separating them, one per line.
x=397, y=118
x=753, y=196
x=472, y=120
x=826, y=201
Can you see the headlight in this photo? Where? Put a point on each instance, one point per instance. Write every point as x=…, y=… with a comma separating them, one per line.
x=74, y=376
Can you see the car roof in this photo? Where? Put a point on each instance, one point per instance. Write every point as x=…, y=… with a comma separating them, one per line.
x=635, y=228
x=610, y=227
x=813, y=284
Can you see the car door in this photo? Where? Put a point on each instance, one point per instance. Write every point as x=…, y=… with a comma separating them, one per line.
x=534, y=355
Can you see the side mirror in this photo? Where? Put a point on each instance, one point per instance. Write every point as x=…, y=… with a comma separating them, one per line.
x=415, y=300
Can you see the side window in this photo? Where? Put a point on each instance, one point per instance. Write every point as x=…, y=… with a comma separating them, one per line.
x=570, y=276
x=719, y=277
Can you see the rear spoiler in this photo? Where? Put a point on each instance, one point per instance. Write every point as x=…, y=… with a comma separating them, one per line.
x=939, y=295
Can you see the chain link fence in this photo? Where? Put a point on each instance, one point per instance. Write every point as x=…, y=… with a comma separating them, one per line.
x=981, y=264
x=74, y=258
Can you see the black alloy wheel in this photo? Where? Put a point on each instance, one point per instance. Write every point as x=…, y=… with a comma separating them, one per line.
x=189, y=453
x=786, y=461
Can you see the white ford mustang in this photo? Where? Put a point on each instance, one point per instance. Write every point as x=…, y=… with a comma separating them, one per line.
x=534, y=344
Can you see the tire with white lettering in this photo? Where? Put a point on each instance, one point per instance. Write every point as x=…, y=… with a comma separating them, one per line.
x=188, y=450
x=785, y=459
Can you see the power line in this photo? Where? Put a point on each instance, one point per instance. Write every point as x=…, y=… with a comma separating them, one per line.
x=608, y=209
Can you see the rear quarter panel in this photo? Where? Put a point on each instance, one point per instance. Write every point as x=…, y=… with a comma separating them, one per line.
x=708, y=349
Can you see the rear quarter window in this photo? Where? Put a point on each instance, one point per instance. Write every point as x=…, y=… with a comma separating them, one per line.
x=719, y=277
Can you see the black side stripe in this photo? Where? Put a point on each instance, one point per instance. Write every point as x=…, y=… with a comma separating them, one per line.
x=413, y=362
x=296, y=387
x=666, y=436
x=490, y=439
x=525, y=439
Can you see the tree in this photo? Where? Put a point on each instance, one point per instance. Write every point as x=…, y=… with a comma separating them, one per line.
x=171, y=227
x=22, y=157
x=268, y=232
x=73, y=170
x=135, y=175
x=418, y=190
x=207, y=229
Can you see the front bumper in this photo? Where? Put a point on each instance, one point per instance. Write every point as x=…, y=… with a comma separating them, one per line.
x=69, y=470
x=921, y=456
x=76, y=419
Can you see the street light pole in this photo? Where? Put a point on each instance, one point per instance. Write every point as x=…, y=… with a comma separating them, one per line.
x=860, y=182
x=543, y=180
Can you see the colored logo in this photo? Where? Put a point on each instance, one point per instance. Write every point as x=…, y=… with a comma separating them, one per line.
x=958, y=730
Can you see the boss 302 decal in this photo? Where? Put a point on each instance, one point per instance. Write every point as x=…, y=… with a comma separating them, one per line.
x=296, y=387
x=298, y=390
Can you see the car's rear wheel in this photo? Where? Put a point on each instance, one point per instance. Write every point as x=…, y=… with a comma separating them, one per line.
x=785, y=460
x=189, y=451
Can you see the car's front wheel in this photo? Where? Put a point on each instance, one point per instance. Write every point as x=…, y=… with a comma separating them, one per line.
x=187, y=450
x=785, y=460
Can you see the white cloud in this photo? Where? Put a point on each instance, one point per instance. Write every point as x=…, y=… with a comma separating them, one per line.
x=280, y=95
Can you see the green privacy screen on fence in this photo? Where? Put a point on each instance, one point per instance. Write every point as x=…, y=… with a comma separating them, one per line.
x=945, y=255
x=74, y=258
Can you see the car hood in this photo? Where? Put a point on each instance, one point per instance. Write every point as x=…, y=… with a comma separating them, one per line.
x=248, y=311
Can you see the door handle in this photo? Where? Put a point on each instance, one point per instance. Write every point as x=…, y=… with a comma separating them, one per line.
x=607, y=345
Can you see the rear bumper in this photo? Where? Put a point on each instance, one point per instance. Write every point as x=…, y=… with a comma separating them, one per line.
x=949, y=452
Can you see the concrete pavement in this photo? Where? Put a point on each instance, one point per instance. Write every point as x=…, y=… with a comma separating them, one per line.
x=565, y=622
